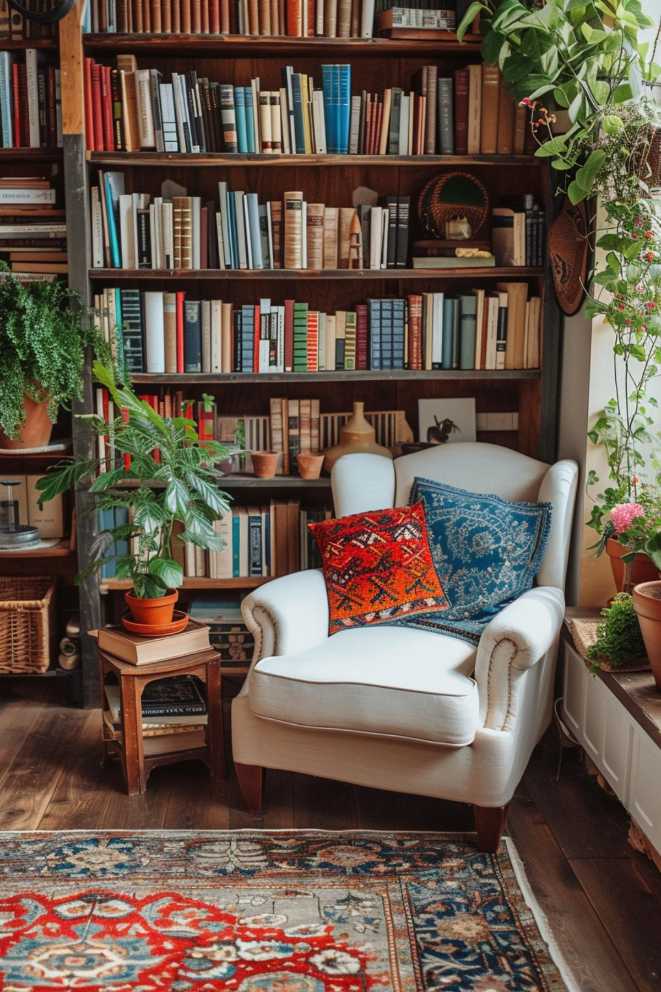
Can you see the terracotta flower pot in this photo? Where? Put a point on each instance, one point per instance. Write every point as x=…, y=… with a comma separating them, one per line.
x=154, y=612
x=264, y=463
x=647, y=604
x=36, y=430
x=642, y=568
x=309, y=464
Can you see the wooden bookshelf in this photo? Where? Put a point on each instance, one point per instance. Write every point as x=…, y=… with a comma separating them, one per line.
x=20, y=44
x=18, y=155
x=376, y=63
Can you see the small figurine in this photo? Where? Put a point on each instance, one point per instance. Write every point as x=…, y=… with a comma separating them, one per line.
x=440, y=432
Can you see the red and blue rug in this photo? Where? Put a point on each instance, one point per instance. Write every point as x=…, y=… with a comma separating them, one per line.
x=258, y=911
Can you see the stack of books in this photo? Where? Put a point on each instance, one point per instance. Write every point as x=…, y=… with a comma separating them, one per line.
x=32, y=228
x=518, y=234
x=467, y=112
x=138, y=231
x=30, y=110
x=228, y=633
x=159, y=332
x=269, y=18
x=430, y=15
x=14, y=26
x=174, y=709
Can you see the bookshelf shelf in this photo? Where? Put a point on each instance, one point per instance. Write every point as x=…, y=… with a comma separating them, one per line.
x=241, y=161
x=247, y=582
x=61, y=550
x=316, y=275
x=247, y=482
x=29, y=154
x=366, y=375
x=276, y=47
x=20, y=44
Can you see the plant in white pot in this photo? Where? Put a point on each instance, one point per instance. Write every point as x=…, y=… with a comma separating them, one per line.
x=44, y=336
x=165, y=482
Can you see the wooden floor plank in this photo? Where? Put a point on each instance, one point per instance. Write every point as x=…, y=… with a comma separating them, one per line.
x=586, y=944
x=16, y=723
x=629, y=909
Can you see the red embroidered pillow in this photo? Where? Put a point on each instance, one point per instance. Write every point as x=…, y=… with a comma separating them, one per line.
x=378, y=567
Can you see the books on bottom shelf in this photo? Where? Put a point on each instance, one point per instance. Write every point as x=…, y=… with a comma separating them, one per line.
x=174, y=715
x=227, y=630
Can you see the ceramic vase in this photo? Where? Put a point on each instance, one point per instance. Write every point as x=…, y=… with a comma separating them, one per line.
x=36, y=430
x=153, y=612
x=641, y=569
x=357, y=436
x=264, y=463
x=647, y=604
x=309, y=464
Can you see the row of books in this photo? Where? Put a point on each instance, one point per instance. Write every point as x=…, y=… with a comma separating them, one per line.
x=15, y=26
x=161, y=332
x=518, y=234
x=32, y=228
x=469, y=112
x=228, y=633
x=258, y=541
x=432, y=15
x=138, y=231
x=30, y=105
x=270, y=18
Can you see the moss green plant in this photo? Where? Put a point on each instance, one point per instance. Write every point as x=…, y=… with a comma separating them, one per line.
x=618, y=635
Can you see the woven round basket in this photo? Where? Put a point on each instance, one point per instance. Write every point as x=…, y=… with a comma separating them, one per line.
x=453, y=196
x=26, y=607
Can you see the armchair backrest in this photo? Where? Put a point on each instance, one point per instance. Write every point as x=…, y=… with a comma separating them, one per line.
x=368, y=482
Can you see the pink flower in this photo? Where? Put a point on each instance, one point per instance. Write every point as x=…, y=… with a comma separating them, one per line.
x=624, y=514
x=527, y=102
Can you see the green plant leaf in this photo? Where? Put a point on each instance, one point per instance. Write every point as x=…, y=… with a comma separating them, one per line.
x=467, y=20
x=575, y=192
x=168, y=571
x=555, y=146
x=177, y=497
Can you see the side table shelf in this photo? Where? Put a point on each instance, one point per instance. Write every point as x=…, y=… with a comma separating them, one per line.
x=138, y=762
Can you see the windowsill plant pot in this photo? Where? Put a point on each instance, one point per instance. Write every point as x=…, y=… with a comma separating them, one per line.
x=156, y=612
x=642, y=568
x=647, y=603
x=36, y=428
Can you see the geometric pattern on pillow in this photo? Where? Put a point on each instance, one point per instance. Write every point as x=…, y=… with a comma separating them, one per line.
x=378, y=567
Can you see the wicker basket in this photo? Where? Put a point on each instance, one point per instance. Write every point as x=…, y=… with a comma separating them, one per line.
x=26, y=608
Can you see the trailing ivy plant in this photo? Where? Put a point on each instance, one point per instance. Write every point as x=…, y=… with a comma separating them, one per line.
x=585, y=61
x=45, y=333
x=164, y=482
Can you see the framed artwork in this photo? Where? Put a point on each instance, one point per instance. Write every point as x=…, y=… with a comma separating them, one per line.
x=446, y=421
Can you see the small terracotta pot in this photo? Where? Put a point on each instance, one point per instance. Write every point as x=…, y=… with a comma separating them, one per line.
x=36, y=430
x=309, y=464
x=264, y=463
x=647, y=604
x=642, y=568
x=154, y=612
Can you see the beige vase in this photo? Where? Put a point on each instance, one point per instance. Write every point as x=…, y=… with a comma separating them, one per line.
x=357, y=435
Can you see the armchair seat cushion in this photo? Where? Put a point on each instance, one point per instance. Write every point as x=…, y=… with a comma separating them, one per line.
x=383, y=681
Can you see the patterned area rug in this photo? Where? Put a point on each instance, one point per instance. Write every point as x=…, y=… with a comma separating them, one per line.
x=258, y=911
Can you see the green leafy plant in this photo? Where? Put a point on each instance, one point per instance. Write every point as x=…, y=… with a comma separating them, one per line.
x=619, y=639
x=585, y=61
x=171, y=497
x=45, y=333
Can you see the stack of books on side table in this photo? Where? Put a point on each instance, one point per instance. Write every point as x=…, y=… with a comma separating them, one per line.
x=174, y=708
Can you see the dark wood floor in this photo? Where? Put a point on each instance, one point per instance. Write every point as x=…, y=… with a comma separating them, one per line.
x=602, y=899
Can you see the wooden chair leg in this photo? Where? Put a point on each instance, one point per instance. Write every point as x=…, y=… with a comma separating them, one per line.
x=489, y=824
x=251, y=780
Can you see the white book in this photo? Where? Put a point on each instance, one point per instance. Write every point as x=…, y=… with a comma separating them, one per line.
x=169, y=118
x=240, y=229
x=367, y=19
x=321, y=342
x=256, y=124
x=145, y=114
x=195, y=230
x=480, y=303
x=167, y=226
x=330, y=341
x=248, y=233
x=281, y=340
x=492, y=331
x=269, y=234
x=384, y=237
x=185, y=114
x=404, y=125
x=354, y=126
x=21, y=196
x=284, y=123
x=137, y=200
x=179, y=113
x=33, y=96
x=226, y=262
x=304, y=235
x=219, y=239
x=437, y=330
x=97, y=229
x=154, y=332
x=125, y=230
x=319, y=18
x=216, y=336
x=154, y=245
x=223, y=559
x=376, y=236
x=319, y=120
x=264, y=339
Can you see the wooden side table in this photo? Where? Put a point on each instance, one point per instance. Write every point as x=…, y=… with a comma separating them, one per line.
x=132, y=679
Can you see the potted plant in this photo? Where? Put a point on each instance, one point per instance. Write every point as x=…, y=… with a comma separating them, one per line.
x=45, y=333
x=647, y=603
x=619, y=641
x=165, y=481
x=585, y=61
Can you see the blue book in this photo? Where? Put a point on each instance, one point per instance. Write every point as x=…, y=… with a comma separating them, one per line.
x=328, y=80
x=250, y=121
x=106, y=521
x=252, y=210
x=192, y=336
x=298, y=115
x=240, y=113
x=344, y=108
x=386, y=334
x=6, y=99
x=236, y=546
x=399, y=333
x=374, y=316
x=449, y=307
x=114, y=183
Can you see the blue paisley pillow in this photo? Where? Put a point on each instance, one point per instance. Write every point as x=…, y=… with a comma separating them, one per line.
x=486, y=550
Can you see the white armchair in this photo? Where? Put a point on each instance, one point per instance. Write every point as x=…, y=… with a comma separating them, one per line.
x=400, y=708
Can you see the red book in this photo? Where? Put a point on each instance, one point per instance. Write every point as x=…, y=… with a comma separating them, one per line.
x=180, y=332
x=16, y=94
x=295, y=18
x=461, y=112
x=97, y=109
x=289, y=335
x=362, y=336
x=214, y=19
x=89, y=112
x=225, y=16
x=257, y=333
x=106, y=103
x=414, y=357
x=51, y=130
x=126, y=458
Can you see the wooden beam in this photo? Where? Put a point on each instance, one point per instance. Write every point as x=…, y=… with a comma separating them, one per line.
x=71, y=71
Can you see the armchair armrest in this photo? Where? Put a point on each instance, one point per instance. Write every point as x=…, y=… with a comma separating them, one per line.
x=289, y=614
x=515, y=640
